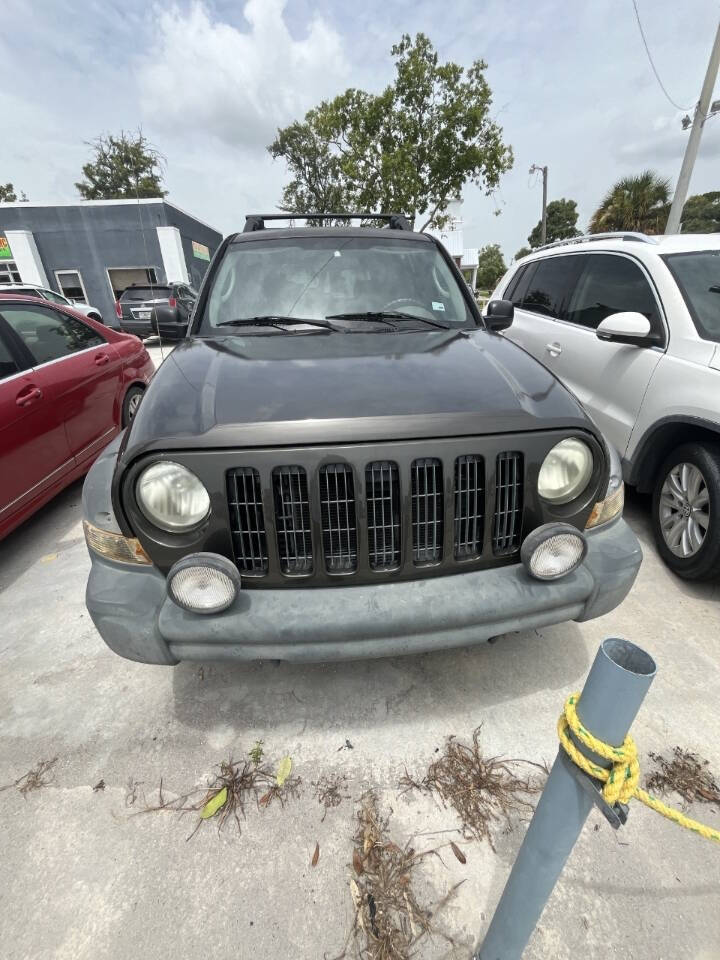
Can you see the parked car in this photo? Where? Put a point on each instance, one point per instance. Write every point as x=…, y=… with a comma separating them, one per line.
x=67, y=387
x=150, y=310
x=631, y=324
x=44, y=293
x=344, y=437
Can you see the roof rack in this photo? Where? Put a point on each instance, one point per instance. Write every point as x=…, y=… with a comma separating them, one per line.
x=613, y=235
x=256, y=221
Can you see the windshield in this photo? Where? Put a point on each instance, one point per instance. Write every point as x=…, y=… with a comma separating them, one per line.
x=146, y=293
x=317, y=277
x=698, y=276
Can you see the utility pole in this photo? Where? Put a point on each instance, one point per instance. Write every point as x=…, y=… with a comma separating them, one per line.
x=699, y=118
x=543, y=228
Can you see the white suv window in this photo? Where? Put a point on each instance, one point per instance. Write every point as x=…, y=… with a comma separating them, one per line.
x=698, y=276
x=612, y=284
x=546, y=285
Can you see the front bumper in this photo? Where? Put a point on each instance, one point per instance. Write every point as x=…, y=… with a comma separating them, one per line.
x=137, y=620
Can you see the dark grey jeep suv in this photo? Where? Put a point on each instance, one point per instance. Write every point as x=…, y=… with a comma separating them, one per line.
x=344, y=459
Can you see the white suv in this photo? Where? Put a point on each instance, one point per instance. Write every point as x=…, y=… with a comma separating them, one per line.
x=631, y=324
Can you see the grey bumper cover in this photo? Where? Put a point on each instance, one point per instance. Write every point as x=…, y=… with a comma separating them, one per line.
x=130, y=608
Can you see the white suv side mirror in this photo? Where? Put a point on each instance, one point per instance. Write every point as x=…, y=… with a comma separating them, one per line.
x=628, y=327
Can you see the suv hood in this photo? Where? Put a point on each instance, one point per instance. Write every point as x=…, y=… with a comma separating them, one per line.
x=276, y=390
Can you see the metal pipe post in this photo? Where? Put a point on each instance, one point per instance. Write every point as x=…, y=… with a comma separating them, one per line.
x=693, y=144
x=614, y=690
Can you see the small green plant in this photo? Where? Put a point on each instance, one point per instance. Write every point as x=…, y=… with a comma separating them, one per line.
x=257, y=753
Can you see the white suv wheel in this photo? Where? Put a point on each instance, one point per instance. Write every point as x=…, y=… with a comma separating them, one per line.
x=684, y=510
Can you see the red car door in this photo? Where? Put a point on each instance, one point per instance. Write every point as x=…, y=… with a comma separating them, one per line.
x=34, y=450
x=85, y=370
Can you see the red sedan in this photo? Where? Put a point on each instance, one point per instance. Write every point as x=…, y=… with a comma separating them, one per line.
x=68, y=385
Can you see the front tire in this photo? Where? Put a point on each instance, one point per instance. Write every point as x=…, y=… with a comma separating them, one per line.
x=686, y=511
x=131, y=404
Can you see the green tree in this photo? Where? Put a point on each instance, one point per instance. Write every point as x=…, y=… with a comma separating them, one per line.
x=639, y=203
x=409, y=149
x=560, y=224
x=491, y=266
x=122, y=168
x=522, y=252
x=8, y=195
x=701, y=213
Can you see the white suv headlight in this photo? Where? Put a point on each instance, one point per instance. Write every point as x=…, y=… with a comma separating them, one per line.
x=566, y=471
x=171, y=496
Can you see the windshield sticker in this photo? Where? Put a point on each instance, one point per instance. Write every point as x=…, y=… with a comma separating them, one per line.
x=337, y=254
x=438, y=306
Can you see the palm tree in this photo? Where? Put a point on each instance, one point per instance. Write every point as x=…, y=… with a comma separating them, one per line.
x=639, y=203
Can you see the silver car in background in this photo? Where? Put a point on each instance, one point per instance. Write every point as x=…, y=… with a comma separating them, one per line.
x=44, y=293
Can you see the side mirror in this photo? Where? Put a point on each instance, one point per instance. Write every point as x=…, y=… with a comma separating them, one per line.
x=630, y=327
x=499, y=315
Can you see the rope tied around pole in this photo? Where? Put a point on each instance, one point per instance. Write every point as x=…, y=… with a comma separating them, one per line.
x=621, y=780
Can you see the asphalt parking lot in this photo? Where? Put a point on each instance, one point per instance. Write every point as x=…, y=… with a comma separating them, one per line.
x=83, y=876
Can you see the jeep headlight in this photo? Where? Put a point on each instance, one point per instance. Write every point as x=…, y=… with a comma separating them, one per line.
x=566, y=471
x=171, y=496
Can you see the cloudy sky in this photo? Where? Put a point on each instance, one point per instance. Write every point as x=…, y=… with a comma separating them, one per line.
x=211, y=80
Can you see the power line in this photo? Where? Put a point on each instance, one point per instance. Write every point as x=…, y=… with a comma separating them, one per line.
x=649, y=56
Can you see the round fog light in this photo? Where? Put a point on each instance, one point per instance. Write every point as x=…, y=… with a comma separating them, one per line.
x=553, y=550
x=203, y=583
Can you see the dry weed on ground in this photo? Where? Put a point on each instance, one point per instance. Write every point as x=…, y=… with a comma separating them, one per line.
x=33, y=779
x=482, y=791
x=226, y=796
x=686, y=774
x=330, y=791
x=388, y=916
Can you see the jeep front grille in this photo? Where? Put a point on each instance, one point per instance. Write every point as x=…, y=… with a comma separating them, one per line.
x=363, y=518
x=247, y=523
x=337, y=509
x=383, y=515
x=292, y=520
x=507, y=522
x=469, y=507
x=427, y=510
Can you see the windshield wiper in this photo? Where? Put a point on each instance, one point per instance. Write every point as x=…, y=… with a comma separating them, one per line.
x=385, y=315
x=273, y=320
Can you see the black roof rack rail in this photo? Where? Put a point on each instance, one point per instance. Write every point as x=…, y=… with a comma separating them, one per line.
x=256, y=221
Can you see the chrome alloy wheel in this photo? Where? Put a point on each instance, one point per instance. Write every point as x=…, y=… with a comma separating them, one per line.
x=684, y=510
x=133, y=404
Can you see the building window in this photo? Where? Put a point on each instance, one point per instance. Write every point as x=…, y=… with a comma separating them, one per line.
x=9, y=272
x=123, y=277
x=71, y=285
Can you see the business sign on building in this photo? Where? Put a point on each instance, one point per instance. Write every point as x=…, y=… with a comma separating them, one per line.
x=5, y=251
x=200, y=250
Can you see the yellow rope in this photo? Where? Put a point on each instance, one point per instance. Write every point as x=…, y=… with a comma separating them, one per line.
x=622, y=778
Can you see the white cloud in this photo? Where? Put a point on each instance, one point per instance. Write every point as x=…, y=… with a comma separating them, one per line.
x=207, y=77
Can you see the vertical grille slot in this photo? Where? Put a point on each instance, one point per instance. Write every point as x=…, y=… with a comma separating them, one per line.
x=427, y=510
x=292, y=520
x=507, y=521
x=337, y=508
x=383, y=515
x=247, y=521
x=469, y=507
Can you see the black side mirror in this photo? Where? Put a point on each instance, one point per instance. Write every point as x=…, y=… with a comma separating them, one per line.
x=499, y=315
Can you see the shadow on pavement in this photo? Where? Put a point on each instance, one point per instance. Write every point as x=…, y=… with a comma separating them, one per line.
x=378, y=692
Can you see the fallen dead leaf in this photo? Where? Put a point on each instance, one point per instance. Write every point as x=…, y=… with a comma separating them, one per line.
x=459, y=855
x=315, y=856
